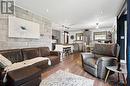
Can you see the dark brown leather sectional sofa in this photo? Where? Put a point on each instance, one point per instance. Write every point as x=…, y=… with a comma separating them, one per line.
x=18, y=55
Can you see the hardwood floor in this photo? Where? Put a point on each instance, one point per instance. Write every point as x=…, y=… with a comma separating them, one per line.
x=73, y=64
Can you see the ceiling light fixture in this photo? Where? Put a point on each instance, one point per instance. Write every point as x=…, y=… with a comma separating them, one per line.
x=47, y=10
x=65, y=27
x=97, y=25
x=101, y=12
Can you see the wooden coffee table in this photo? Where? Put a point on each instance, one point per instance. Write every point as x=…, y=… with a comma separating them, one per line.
x=114, y=69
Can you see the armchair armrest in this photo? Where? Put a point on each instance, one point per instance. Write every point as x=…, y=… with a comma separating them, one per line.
x=54, y=53
x=102, y=63
x=84, y=56
x=106, y=59
x=87, y=55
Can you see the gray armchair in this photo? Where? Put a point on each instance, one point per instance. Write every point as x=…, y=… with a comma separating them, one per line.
x=103, y=55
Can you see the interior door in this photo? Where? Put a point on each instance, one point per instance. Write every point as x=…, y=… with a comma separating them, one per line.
x=121, y=36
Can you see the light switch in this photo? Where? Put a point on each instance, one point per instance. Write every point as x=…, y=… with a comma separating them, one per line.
x=122, y=37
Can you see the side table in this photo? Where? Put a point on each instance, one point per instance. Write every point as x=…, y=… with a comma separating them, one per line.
x=114, y=69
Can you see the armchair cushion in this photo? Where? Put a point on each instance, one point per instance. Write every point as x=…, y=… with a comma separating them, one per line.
x=105, y=49
x=98, y=56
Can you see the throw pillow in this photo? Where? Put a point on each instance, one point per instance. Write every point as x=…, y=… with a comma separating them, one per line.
x=4, y=62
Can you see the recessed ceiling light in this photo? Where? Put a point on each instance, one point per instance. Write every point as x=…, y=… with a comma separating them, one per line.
x=101, y=12
x=46, y=10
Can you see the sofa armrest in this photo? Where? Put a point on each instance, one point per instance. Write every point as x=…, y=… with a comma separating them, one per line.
x=54, y=53
x=102, y=63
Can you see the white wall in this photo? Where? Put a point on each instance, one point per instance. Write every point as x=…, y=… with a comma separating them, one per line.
x=62, y=37
x=70, y=33
x=81, y=31
x=14, y=43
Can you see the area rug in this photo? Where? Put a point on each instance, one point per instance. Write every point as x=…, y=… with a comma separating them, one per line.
x=64, y=78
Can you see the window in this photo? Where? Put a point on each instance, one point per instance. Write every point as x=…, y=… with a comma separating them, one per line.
x=79, y=36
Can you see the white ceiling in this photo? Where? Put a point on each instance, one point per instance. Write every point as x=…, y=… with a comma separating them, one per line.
x=77, y=14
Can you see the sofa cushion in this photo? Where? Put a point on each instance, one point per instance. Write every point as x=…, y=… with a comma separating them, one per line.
x=27, y=63
x=42, y=64
x=44, y=51
x=13, y=55
x=29, y=53
x=91, y=62
x=105, y=49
